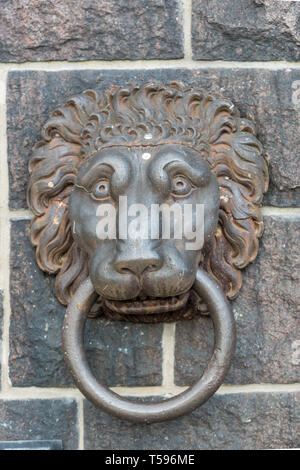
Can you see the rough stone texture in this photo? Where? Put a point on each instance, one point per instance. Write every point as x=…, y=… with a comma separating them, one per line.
x=246, y=30
x=125, y=353
x=241, y=421
x=266, y=312
x=262, y=95
x=119, y=353
x=1, y=327
x=279, y=198
x=85, y=29
x=39, y=420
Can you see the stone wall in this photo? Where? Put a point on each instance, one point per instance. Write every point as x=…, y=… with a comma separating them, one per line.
x=245, y=49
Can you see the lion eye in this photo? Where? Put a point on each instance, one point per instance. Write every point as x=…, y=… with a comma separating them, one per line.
x=181, y=186
x=101, y=189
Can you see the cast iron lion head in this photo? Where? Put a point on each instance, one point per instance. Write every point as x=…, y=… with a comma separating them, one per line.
x=154, y=144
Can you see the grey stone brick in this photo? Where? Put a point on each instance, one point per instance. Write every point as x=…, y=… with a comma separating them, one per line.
x=27, y=420
x=85, y=30
x=235, y=421
x=266, y=313
x=246, y=30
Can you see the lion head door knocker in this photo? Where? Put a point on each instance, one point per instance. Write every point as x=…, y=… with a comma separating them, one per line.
x=149, y=146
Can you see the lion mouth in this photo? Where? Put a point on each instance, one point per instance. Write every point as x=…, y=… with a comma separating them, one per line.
x=147, y=305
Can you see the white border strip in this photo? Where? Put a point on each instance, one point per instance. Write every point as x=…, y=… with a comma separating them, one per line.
x=186, y=63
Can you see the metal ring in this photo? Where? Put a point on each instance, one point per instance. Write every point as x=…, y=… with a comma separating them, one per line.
x=194, y=396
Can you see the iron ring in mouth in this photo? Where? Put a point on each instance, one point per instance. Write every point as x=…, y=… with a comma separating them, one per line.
x=185, y=402
x=148, y=306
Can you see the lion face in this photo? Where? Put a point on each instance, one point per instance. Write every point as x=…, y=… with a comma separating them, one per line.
x=93, y=153
x=138, y=268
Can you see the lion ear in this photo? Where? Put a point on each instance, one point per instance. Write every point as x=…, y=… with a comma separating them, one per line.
x=53, y=169
x=242, y=173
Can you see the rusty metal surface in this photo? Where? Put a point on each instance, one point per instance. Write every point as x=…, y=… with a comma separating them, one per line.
x=176, y=116
x=157, y=145
x=196, y=395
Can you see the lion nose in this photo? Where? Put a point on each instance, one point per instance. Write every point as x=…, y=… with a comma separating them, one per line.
x=138, y=265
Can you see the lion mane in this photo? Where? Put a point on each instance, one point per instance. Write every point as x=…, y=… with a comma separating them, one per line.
x=172, y=113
